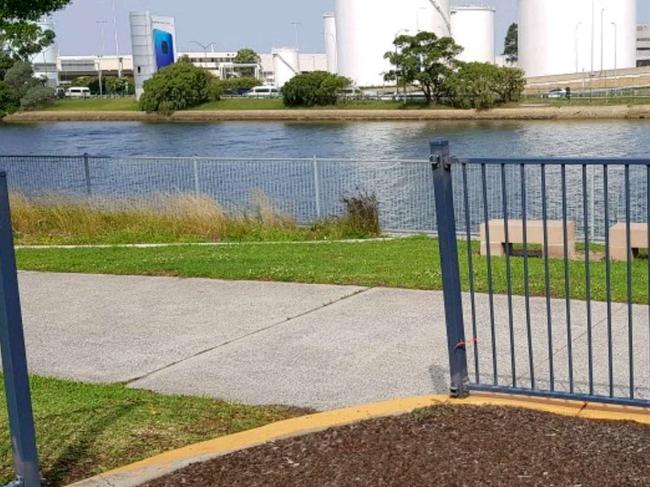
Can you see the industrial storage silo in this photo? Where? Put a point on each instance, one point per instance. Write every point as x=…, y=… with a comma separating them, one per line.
x=561, y=37
x=366, y=29
x=45, y=62
x=472, y=27
x=286, y=64
x=329, y=32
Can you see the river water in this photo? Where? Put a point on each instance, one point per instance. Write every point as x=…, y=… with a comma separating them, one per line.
x=256, y=157
x=365, y=140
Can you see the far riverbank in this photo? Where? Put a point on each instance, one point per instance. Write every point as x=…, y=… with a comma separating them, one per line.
x=617, y=112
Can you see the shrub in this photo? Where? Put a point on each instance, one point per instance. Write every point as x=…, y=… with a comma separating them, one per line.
x=482, y=85
x=36, y=97
x=177, y=87
x=315, y=88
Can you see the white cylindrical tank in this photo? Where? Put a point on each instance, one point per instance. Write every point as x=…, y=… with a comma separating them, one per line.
x=366, y=29
x=51, y=53
x=561, y=37
x=45, y=62
x=473, y=29
x=329, y=31
x=286, y=64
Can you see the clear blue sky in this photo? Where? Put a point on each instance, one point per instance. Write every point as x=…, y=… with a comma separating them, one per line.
x=260, y=24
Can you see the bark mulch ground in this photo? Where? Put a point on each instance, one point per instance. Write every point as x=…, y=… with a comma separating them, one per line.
x=442, y=446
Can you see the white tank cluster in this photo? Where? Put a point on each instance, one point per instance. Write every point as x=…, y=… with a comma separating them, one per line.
x=329, y=31
x=472, y=28
x=561, y=37
x=366, y=29
x=286, y=64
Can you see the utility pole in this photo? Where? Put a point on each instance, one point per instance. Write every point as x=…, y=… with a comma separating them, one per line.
x=296, y=25
x=578, y=46
x=117, y=40
x=101, y=24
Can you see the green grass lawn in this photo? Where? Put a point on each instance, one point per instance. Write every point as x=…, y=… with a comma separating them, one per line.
x=95, y=104
x=85, y=429
x=406, y=263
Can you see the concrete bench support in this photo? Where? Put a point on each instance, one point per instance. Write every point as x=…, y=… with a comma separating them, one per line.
x=535, y=236
x=618, y=240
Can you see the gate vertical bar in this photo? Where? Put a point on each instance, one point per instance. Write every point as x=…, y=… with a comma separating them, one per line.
x=447, y=241
x=316, y=187
x=14, y=360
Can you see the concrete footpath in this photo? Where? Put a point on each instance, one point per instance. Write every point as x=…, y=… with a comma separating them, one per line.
x=305, y=345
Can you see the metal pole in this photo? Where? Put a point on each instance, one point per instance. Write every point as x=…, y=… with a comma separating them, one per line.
x=117, y=40
x=577, y=47
x=87, y=173
x=449, y=266
x=317, y=187
x=195, y=170
x=14, y=360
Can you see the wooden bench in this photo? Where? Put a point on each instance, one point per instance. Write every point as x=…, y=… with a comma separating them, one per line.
x=618, y=240
x=535, y=235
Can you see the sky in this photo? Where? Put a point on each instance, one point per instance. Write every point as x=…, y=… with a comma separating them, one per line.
x=260, y=24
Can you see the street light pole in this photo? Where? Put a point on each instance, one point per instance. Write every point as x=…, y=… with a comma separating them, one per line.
x=397, y=77
x=117, y=40
x=295, y=26
x=101, y=23
x=578, y=46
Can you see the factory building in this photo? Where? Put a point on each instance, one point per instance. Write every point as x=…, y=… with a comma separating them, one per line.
x=560, y=37
x=218, y=63
x=472, y=27
x=643, y=45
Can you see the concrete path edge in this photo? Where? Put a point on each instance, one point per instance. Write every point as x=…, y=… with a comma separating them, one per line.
x=155, y=467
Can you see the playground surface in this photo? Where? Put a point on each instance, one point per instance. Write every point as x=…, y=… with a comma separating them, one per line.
x=315, y=346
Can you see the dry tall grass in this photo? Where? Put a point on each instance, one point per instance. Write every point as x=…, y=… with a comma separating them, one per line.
x=164, y=218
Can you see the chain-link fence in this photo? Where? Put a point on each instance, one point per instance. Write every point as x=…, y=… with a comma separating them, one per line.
x=310, y=189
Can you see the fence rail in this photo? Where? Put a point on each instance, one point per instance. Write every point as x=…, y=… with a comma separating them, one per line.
x=307, y=189
x=591, y=219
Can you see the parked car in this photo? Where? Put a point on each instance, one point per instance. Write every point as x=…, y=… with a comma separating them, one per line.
x=263, y=92
x=77, y=92
x=351, y=93
x=557, y=93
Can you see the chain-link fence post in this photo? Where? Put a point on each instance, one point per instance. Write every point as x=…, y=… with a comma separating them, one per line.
x=448, y=245
x=319, y=212
x=87, y=173
x=14, y=360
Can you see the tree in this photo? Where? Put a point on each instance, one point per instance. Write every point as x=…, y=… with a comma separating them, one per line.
x=20, y=78
x=37, y=97
x=178, y=87
x=6, y=99
x=313, y=88
x=425, y=59
x=246, y=56
x=19, y=34
x=511, y=45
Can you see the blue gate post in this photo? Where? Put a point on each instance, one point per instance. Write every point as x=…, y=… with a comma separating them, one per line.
x=14, y=361
x=449, y=266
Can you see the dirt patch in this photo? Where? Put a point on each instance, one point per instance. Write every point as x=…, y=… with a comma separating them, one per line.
x=442, y=446
x=517, y=113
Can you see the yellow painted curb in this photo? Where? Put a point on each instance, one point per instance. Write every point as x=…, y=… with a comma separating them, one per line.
x=137, y=473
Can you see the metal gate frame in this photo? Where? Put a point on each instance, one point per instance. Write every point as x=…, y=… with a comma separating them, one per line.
x=461, y=385
x=14, y=360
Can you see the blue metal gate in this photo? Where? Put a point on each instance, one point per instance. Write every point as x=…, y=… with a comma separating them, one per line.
x=556, y=298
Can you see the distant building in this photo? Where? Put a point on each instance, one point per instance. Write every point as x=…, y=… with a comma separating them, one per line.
x=218, y=63
x=643, y=45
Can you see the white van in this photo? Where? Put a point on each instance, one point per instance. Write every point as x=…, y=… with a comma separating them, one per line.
x=77, y=92
x=263, y=92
